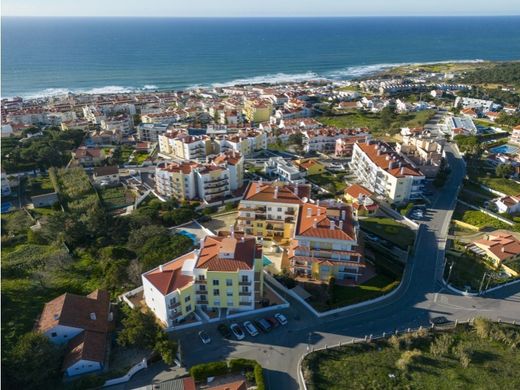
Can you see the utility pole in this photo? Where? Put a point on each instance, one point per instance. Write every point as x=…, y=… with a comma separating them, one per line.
x=489, y=280
x=449, y=273
x=309, y=342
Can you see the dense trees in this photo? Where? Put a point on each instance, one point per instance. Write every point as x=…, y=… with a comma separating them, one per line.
x=507, y=73
x=52, y=149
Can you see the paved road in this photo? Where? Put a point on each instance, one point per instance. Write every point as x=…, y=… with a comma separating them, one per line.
x=420, y=297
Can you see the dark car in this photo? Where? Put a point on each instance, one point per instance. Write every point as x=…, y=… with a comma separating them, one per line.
x=273, y=321
x=264, y=325
x=439, y=320
x=224, y=331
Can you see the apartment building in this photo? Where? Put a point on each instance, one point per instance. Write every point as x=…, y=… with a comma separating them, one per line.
x=515, y=136
x=258, y=111
x=385, y=172
x=151, y=131
x=226, y=272
x=324, y=139
x=244, y=142
x=207, y=182
x=184, y=146
x=325, y=243
x=344, y=145
x=270, y=209
x=280, y=168
x=423, y=150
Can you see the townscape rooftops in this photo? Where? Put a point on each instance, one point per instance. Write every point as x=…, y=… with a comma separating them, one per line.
x=382, y=155
x=355, y=190
x=75, y=311
x=228, y=253
x=236, y=385
x=317, y=221
x=106, y=171
x=266, y=192
x=502, y=244
x=168, y=277
x=87, y=345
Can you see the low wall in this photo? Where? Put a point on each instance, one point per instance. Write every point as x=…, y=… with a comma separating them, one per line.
x=490, y=213
x=124, y=297
x=125, y=378
x=466, y=225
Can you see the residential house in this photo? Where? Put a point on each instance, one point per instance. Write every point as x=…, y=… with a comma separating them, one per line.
x=258, y=111
x=89, y=156
x=385, y=172
x=270, y=209
x=310, y=166
x=325, y=243
x=83, y=324
x=285, y=170
x=44, y=200
x=106, y=176
x=499, y=246
x=515, y=136
x=361, y=200
x=183, y=146
x=324, y=139
x=509, y=204
x=226, y=272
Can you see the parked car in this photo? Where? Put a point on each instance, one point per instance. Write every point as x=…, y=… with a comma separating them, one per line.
x=251, y=329
x=281, y=318
x=224, y=331
x=439, y=320
x=237, y=331
x=204, y=337
x=273, y=321
x=264, y=325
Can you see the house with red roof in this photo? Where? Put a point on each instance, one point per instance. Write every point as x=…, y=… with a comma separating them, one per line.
x=82, y=323
x=499, y=246
x=225, y=273
x=325, y=243
x=360, y=199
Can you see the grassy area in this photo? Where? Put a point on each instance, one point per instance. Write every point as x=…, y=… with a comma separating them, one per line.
x=38, y=186
x=323, y=298
x=470, y=360
x=507, y=186
x=390, y=230
x=330, y=181
x=478, y=219
x=468, y=271
x=140, y=157
x=116, y=197
x=374, y=122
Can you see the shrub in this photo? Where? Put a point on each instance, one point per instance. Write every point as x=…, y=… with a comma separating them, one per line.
x=237, y=365
x=407, y=357
x=482, y=327
x=441, y=345
x=259, y=377
x=201, y=372
x=395, y=342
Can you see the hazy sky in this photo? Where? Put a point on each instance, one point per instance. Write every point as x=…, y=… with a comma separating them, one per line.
x=258, y=7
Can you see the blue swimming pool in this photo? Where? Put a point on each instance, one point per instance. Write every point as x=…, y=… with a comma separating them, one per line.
x=189, y=235
x=504, y=149
x=6, y=206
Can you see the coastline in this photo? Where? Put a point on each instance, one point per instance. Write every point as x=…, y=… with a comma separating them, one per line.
x=339, y=76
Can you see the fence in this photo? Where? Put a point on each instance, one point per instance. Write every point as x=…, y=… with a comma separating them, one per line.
x=125, y=378
x=384, y=335
x=125, y=297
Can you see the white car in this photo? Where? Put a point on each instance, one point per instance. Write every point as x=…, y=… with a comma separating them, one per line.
x=281, y=318
x=251, y=329
x=204, y=337
x=237, y=331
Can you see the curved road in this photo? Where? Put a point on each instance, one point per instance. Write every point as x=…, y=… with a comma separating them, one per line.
x=420, y=297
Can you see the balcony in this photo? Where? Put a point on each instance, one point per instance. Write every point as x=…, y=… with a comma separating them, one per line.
x=173, y=305
x=201, y=292
x=244, y=294
x=202, y=302
x=201, y=281
x=216, y=180
x=244, y=283
x=245, y=303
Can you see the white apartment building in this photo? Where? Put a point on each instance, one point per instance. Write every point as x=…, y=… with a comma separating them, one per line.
x=184, y=146
x=208, y=182
x=385, y=172
x=279, y=168
x=151, y=131
x=324, y=140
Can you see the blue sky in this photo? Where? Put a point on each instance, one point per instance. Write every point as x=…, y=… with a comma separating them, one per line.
x=237, y=8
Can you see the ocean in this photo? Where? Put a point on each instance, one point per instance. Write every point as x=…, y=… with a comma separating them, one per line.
x=46, y=56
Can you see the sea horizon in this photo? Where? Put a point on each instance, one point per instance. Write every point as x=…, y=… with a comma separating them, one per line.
x=131, y=54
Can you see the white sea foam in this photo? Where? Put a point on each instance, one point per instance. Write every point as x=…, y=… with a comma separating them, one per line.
x=271, y=79
x=150, y=87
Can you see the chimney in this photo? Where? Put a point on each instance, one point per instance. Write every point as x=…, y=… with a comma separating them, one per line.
x=402, y=170
x=318, y=203
x=276, y=192
x=332, y=225
x=309, y=211
x=242, y=239
x=341, y=225
x=232, y=231
x=315, y=223
x=343, y=214
x=161, y=269
x=296, y=190
x=93, y=316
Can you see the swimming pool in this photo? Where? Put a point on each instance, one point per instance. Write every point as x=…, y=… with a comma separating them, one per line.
x=189, y=235
x=504, y=149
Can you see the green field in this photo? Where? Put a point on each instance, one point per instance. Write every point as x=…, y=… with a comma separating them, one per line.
x=38, y=185
x=117, y=197
x=453, y=359
x=390, y=230
x=479, y=219
x=330, y=181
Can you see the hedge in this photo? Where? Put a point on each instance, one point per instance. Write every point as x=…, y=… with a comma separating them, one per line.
x=201, y=372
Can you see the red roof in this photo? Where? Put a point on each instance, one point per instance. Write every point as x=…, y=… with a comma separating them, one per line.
x=355, y=190
x=385, y=158
x=265, y=192
x=169, y=277
x=314, y=222
x=227, y=254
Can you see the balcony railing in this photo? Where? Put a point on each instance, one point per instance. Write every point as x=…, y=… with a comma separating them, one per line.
x=202, y=302
x=173, y=305
x=201, y=292
x=245, y=303
x=201, y=281
x=244, y=293
x=244, y=283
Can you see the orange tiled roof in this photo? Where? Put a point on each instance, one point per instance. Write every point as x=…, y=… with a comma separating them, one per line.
x=243, y=249
x=265, y=192
x=86, y=346
x=355, y=190
x=383, y=156
x=502, y=245
x=170, y=278
x=314, y=222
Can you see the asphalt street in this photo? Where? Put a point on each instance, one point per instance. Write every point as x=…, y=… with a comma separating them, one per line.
x=420, y=297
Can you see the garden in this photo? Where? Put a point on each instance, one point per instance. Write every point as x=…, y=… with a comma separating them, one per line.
x=390, y=230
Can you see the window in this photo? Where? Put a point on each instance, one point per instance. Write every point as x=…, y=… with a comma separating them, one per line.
x=229, y=282
x=259, y=225
x=230, y=303
x=216, y=291
x=215, y=282
x=245, y=289
x=201, y=277
x=203, y=298
x=229, y=294
x=54, y=334
x=269, y=209
x=187, y=299
x=188, y=308
x=279, y=209
x=245, y=278
x=202, y=288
